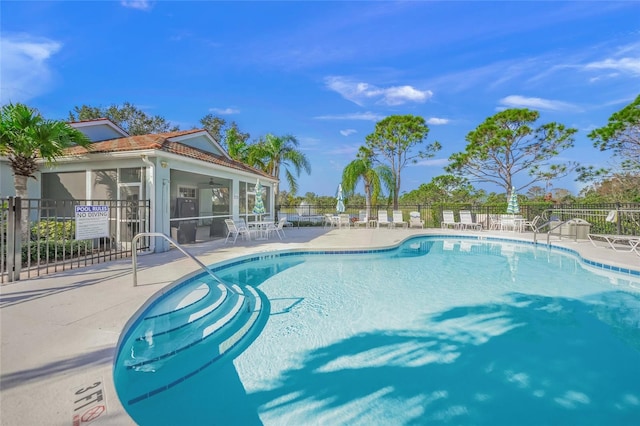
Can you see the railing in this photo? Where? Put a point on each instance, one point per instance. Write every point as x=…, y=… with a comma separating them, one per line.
x=134, y=258
x=628, y=219
x=38, y=236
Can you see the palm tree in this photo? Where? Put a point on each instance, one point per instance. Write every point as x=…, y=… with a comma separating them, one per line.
x=26, y=137
x=272, y=153
x=372, y=177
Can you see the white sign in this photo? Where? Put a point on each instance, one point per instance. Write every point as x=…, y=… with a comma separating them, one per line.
x=92, y=222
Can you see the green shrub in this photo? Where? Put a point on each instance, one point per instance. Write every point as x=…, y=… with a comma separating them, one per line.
x=54, y=250
x=53, y=230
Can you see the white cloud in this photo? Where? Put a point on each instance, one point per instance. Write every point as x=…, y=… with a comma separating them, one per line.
x=224, y=111
x=136, y=4
x=347, y=132
x=516, y=101
x=629, y=65
x=367, y=116
x=26, y=72
x=434, y=121
x=360, y=93
x=431, y=162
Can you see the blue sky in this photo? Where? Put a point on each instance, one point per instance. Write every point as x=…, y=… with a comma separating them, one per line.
x=326, y=72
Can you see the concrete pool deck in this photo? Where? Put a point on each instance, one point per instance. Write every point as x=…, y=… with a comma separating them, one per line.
x=59, y=332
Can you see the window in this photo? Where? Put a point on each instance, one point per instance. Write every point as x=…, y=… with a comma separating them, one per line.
x=186, y=192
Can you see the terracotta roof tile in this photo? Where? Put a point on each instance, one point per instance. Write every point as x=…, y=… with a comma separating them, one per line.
x=161, y=142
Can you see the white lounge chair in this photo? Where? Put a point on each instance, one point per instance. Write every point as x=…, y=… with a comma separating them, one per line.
x=622, y=243
x=466, y=221
x=363, y=219
x=449, y=220
x=398, y=219
x=415, y=221
x=383, y=219
x=233, y=229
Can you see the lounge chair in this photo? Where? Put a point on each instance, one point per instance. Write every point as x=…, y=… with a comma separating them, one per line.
x=466, y=221
x=398, y=219
x=448, y=220
x=621, y=243
x=363, y=219
x=415, y=221
x=383, y=219
x=233, y=229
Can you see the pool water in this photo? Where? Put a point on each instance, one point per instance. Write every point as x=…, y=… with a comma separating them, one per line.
x=437, y=331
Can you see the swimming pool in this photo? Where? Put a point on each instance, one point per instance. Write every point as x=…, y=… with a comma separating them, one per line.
x=433, y=331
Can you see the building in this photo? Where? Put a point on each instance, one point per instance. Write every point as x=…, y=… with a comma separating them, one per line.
x=191, y=183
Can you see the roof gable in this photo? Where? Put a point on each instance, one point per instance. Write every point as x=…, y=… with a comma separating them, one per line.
x=100, y=129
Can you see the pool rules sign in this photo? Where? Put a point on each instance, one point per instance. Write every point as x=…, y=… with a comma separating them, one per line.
x=92, y=222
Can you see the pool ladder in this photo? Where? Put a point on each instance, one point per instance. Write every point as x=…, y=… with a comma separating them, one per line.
x=134, y=258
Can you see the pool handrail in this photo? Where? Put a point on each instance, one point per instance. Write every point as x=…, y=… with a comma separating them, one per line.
x=176, y=245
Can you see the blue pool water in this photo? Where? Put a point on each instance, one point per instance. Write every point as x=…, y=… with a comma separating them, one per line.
x=435, y=331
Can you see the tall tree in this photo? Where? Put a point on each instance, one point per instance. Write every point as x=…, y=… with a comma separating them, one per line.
x=128, y=117
x=215, y=126
x=394, y=139
x=618, y=187
x=274, y=153
x=444, y=188
x=506, y=145
x=236, y=143
x=622, y=135
x=227, y=135
x=363, y=169
x=26, y=138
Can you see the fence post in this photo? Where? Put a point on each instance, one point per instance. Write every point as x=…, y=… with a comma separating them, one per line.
x=14, y=239
x=618, y=219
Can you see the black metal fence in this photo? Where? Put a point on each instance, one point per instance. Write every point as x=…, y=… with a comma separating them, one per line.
x=627, y=217
x=39, y=235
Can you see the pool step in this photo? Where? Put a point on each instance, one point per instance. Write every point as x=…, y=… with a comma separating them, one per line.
x=178, y=355
x=154, y=347
x=172, y=321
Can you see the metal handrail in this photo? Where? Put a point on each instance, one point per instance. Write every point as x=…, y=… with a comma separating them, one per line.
x=558, y=225
x=189, y=255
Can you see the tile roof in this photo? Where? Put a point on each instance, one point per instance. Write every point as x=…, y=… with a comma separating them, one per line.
x=162, y=142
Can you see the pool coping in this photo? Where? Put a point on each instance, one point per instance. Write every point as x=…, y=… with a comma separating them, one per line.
x=59, y=332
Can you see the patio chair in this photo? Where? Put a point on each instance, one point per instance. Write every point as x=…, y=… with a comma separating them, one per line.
x=449, y=220
x=363, y=219
x=507, y=222
x=415, y=221
x=233, y=229
x=466, y=221
x=383, y=219
x=398, y=219
x=277, y=228
x=330, y=220
x=344, y=220
x=494, y=222
x=532, y=224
